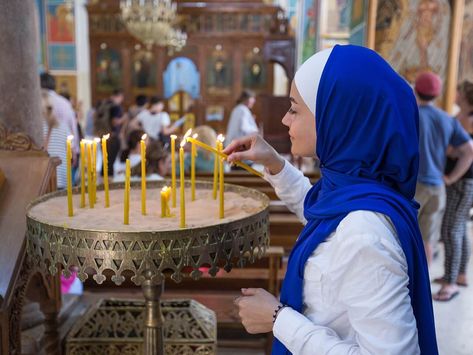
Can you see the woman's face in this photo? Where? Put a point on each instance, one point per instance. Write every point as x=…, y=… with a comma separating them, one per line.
x=301, y=123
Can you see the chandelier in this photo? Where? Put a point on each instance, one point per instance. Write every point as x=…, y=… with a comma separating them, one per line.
x=151, y=21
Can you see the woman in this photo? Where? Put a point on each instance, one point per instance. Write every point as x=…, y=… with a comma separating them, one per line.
x=357, y=279
x=133, y=152
x=459, y=202
x=241, y=121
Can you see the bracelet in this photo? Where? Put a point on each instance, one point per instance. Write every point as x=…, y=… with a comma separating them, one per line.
x=277, y=310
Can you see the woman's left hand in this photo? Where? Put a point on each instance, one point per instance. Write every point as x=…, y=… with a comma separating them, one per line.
x=256, y=309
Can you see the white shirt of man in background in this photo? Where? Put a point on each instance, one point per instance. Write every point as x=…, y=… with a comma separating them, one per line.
x=242, y=122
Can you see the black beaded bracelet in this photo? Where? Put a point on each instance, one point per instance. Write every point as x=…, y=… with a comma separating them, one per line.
x=277, y=310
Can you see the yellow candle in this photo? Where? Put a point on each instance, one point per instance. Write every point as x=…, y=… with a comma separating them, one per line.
x=69, y=175
x=216, y=157
x=94, y=169
x=105, y=169
x=223, y=155
x=126, y=209
x=182, y=201
x=82, y=173
x=193, y=155
x=143, y=174
x=165, y=194
x=173, y=169
x=220, y=173
x=89, y=174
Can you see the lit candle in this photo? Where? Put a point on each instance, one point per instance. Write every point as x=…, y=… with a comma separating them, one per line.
x=69, y=175
x=82, y=173
x=105, y=169
x=193, y=155
x=143, y=174
x=126, y=209
x=165, y=194
x=217, y=146
x=173, y=169
x=89, y=173
x=220, y=173
x=94, y=169
x=181, y=173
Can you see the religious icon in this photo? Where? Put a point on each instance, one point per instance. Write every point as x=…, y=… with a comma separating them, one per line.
x=254, y=72
x=108, y=71
x=219, y=73
x=143, y=70
x=465, y=70
x=61, y=23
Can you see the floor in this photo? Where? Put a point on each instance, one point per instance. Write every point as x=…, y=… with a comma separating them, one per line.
x=454, y=319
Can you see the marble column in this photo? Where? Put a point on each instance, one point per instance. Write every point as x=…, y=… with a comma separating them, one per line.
x=20, y=109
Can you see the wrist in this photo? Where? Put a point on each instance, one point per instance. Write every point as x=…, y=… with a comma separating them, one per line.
x=277, y=311
x=276, y=165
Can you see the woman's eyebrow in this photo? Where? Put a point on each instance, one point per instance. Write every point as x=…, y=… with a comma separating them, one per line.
x=292, y=100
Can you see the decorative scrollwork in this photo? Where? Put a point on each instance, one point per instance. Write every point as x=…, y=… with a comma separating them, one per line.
x=15, y=141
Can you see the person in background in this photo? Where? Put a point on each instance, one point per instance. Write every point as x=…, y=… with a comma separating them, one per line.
x=141, y=101
x=204, y=162
x=242, y=122
x=55, y=136
x=158, y=163
x=156, y=122
x=437, y=130
x=133, y=152
x=459, y=201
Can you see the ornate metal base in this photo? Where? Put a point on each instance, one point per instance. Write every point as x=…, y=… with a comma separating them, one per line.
x=115, y=327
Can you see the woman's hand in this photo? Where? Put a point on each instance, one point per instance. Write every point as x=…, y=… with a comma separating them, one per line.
x=256, y=149
x=256, y=309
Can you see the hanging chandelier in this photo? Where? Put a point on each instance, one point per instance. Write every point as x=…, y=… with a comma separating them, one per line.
x=151, y=21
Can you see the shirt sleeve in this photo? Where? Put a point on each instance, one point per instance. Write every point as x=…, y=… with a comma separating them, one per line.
x=165, y=119
x=373, y=290
x=248, y=123
x=459, y=135
x=291, y=187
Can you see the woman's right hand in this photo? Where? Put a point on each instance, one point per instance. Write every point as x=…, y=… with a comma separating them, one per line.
x=256, y=149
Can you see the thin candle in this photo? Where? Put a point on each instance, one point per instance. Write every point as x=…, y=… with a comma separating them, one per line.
x=221, y=187
x=173, y=169
x=70, y=211
x=94, y=169
x=193, y=155
x=105, y=169
x=223, y=155
x=165, y=194
x=82, y=173
x=217, y=145
x=143, y=174
x=89, y=173
x=182, y=201
x=126, y=205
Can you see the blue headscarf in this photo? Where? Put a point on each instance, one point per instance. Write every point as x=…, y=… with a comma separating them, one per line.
x=367, y=143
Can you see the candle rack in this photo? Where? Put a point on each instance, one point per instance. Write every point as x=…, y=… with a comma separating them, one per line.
x=147, y=258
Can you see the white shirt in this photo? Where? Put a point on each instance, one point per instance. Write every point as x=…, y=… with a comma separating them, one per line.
x=64, y=112
x=57, y=148
x=119, y=167
x=241, y=123
x=355, y=295
x=153, y=124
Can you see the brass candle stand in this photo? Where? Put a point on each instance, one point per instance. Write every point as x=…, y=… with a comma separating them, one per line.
x=147, y=257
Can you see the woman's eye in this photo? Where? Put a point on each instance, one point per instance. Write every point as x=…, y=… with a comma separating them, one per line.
x=291, y=111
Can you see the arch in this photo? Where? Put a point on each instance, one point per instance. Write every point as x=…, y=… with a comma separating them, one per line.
x=181, y=74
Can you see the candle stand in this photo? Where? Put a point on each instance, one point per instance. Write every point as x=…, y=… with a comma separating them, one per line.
x=147, y=258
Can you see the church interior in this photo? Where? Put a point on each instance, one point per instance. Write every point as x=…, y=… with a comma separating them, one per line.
x=96, y=259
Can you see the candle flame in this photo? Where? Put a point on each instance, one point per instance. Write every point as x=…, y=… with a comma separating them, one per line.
x=221, y=137
x=195, y=135
x=71, y=137
x=144, y=136
x=164, y=189
x=173, y=136
x=107, y=136
x=184, y=139
x=97, y=139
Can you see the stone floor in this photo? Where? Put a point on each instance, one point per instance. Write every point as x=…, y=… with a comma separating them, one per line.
x=454, y=319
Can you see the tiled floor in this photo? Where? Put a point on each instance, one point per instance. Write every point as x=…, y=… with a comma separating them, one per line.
x=454, y=319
